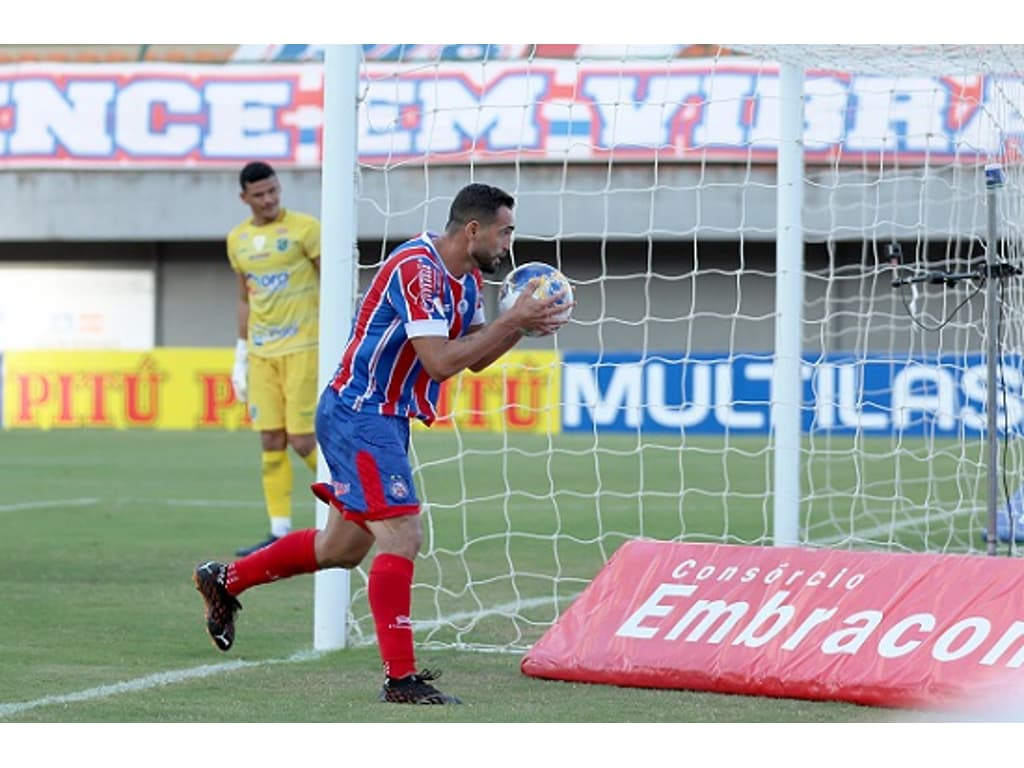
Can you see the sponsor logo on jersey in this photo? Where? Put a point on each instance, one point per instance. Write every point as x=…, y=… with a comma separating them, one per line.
x=263, y=336
x=268, y=283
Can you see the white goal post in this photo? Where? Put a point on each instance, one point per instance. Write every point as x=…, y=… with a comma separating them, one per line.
x=798, y=310
x=338, y=261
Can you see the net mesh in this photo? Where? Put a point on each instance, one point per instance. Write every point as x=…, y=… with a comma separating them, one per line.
x=651, y=183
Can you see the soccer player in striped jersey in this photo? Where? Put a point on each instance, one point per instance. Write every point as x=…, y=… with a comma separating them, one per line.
x=276, y=255
x=420, y=322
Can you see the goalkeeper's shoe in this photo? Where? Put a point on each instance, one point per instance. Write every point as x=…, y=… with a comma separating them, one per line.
x=221, y=605
x=415, y=689
x=271, y=538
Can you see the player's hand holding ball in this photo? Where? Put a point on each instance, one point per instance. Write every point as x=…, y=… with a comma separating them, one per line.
x=550, y=291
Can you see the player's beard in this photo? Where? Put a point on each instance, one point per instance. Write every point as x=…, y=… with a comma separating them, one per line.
x=489, y=264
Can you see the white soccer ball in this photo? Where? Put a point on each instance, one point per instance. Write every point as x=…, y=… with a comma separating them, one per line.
x=552, y=281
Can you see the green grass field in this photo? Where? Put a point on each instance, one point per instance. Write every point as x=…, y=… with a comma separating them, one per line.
x=99, y=621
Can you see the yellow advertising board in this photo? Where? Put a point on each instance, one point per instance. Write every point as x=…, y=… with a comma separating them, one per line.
x=190, y=388
x=521, y=392
x=168, y=388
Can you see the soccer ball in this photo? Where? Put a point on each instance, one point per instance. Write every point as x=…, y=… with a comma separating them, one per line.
x=552, y=282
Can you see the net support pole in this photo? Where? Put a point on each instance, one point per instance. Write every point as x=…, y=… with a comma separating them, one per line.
x=337, y=291
x=787, y=387
x=993, y=183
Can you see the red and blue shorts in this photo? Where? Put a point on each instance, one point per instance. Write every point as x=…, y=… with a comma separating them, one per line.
x=367, y=455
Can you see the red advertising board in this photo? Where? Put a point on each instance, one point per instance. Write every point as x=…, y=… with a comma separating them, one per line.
x=900, y=630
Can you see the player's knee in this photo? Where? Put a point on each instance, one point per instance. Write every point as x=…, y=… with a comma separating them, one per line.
x=274, y=440
x=334, y=557
x=302, y=444
x=406, y=542
x=414, y=542
x=330, y=560
x=334, y=549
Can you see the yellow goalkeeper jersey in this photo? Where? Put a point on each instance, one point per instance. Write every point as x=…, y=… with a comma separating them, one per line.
x=277, y=260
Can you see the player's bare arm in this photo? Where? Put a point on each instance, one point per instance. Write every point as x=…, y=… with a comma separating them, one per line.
x=243, y=308
x=481, y=364
x=510, y=341
x=442, y=358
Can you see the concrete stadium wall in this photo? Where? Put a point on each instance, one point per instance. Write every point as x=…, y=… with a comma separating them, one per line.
x=579, y=201
x=709, y=232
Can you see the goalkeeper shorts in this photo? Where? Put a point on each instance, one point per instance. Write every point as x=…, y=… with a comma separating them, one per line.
x=282, y=392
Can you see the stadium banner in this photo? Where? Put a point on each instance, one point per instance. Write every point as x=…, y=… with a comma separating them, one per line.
x=185, y=388
x=167, y=388
x=492, y=111
x=519, y=393
x=715, y=393
x=876, y=628
x=431, y=53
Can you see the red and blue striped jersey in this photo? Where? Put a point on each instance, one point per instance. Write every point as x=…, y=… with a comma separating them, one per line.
x=412, y=295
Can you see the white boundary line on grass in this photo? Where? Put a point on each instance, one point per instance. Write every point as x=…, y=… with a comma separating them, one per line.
x=89, y=502
x=204, y=502
x=208, y=670
x=150, y=681
x=881, y=528
x=48, y=504
x=505, y=609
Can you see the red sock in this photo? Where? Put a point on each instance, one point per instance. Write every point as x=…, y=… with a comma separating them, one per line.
x=390, y=596
x=288, y=556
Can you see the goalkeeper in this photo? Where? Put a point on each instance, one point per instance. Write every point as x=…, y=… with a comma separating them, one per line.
x=276, y=255
x=420, y=322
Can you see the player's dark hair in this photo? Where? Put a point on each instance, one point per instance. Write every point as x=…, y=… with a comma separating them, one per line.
x=253, y=172
x=480, y=202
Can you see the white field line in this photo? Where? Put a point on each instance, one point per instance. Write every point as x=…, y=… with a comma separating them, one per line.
x=506, y=609
x=213, y=503
x=205, y=502
x=883, y=528
x=209, y=670
x=48, y=504
x=89, y=502
x=145, y=683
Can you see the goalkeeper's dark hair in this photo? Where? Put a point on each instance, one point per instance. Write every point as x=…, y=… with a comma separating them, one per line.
x=480, y=202
x=253, y=172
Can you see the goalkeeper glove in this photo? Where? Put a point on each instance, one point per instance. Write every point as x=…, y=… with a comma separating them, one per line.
x=240, y=371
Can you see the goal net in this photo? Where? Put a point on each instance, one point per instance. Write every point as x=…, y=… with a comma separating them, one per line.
x=649, y=177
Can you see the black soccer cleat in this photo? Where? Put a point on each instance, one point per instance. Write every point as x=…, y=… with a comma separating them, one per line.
x=221, y=605
x=271, y=538
x=415, y=689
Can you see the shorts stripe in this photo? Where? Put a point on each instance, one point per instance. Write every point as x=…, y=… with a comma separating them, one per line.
x=377, y=507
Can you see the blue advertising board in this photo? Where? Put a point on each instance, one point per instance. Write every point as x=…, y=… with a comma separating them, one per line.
x=714, y=393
